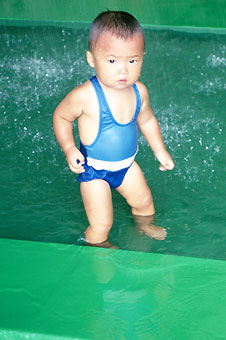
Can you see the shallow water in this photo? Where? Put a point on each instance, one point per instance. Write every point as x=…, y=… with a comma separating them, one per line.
x=186, y=77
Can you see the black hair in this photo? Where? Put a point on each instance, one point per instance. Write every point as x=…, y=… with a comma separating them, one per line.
x=121, y=24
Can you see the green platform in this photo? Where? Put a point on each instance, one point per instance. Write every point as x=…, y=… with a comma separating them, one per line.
x=53, y=291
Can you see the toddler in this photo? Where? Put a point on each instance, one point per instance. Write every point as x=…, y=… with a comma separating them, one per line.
x=109, y=108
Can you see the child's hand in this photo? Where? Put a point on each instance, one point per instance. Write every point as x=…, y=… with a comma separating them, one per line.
x=165, y=159
x=75, y=160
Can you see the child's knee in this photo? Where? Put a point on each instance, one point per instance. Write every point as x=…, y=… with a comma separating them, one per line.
x=144, y=206
x=101, y=225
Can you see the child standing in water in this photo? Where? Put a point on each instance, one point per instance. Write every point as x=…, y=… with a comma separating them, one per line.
x=108, y=108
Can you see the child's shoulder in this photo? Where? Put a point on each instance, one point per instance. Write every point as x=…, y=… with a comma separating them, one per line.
x=81, y=92
x=76, y=100
x=142, y=89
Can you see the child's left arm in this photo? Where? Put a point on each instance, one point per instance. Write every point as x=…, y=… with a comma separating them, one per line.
x=150, y=129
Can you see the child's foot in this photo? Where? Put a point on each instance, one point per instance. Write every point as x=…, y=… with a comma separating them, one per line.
x=104, y=244
x=81, y=241
x=152, y=231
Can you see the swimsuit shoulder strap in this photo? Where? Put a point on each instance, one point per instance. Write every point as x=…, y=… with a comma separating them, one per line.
x=103, y=101
x=100, y=94
x=138, y=99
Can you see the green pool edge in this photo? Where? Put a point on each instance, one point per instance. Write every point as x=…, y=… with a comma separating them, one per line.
x=56, y=291
x=193, y=13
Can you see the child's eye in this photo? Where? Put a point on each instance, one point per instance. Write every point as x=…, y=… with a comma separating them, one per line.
x=112, y=61
x=132, y=61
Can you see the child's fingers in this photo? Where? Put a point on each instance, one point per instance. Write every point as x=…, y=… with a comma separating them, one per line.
x=76, y=166
x=167, y=166
x=80, y=161
x=162, y=168
x=76, y=170
x=170, y=165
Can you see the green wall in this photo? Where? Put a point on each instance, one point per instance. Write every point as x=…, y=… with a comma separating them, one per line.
x=187, y=13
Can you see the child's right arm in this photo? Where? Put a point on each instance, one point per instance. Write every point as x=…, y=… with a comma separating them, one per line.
x=66, y=112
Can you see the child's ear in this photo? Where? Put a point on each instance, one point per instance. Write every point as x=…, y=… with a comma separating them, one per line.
x=90, y=59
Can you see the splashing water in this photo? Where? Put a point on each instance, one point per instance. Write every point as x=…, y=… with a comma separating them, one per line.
x=185, y=75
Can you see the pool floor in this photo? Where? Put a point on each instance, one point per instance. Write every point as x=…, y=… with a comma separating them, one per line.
x=185, y=75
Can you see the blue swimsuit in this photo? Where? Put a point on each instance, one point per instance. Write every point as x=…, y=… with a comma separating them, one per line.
x=113, y=151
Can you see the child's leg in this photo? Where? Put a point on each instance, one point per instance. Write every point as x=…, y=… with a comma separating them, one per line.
x=135, y=190
x=97, y=201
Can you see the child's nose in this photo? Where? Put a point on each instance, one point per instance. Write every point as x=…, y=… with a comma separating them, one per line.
x=123, y=68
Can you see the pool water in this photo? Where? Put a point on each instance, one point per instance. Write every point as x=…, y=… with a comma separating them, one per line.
x=186, y=77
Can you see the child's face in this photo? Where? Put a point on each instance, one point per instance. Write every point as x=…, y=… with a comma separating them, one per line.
x=117, y=61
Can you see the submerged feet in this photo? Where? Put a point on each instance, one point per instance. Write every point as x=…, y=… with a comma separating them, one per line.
x=144, y=226
x=155, y=232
